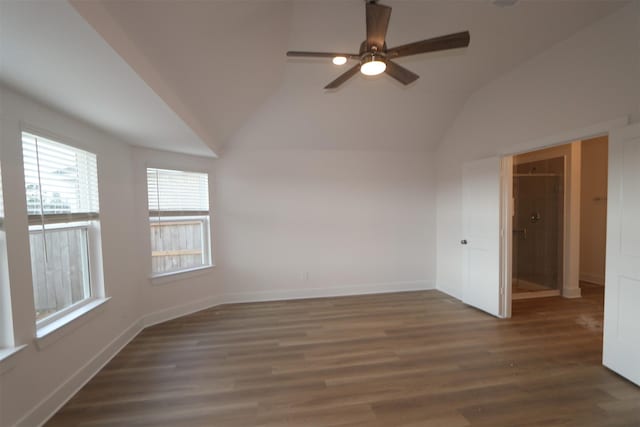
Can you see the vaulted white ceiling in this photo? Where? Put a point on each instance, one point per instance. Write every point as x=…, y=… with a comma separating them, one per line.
x=50, y=53
x=212, y=61
x=379, y=112
x=221, y=66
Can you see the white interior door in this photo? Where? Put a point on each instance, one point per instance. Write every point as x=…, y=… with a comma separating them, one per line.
x=481, y=240
x=621, y=351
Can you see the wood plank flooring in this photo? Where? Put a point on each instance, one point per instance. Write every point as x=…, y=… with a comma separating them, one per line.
x=403, y=359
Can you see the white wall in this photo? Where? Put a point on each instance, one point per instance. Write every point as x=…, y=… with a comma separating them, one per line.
x=590, y=78
x=300, y=223
x=593, y=210
x=37, y=381
x=328, y=193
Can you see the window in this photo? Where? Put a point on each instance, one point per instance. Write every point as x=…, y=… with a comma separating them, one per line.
x=6, y=326
x=1, y=205
x=62, y=203
x=179, y=220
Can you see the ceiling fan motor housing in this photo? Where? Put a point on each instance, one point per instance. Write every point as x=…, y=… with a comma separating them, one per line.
x=371, y=57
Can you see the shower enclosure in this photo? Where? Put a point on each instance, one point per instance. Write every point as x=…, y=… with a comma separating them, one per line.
x=538, y=222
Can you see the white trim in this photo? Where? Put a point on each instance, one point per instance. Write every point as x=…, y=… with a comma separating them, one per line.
x=7, y=357
x=26, y=127
x=536, y=294
x=72, y=225
x=290, y=294
x=179, y=311
x=172, y=165
x=175, y=276
x=506, y=242
x=571, y=292
x=53, y=331
x=66, y=312
x=48, y=406
x=571, y=259
x=596, y=279
x=587, y=132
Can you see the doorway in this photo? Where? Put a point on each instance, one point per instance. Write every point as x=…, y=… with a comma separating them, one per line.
x=558, y=220
x=620, y=315
x=538, y=218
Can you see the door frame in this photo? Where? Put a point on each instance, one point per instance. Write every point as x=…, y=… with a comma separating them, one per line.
x=506, y=241
x=571, y=250
x=570, y=254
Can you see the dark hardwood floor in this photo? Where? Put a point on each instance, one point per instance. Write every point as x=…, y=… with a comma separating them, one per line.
x=404, y=359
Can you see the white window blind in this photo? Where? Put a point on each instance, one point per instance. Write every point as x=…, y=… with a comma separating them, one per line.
x=61, y=181
x=177, y=193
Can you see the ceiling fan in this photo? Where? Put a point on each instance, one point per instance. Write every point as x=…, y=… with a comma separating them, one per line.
x=374, y=58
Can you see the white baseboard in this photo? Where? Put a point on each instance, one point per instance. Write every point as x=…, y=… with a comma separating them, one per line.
x=592, y=278
x=454, y=293
x=571, y=293
x=179, y=311
x=61, y=395
x=289, y=294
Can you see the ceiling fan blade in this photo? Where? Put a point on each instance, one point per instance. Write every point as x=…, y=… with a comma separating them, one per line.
x=343, y=77
x=400, y=73
x=450, y=41
x=377, y=22
x=294, y=53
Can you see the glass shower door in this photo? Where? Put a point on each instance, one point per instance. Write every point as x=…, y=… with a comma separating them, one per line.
x=538, y=189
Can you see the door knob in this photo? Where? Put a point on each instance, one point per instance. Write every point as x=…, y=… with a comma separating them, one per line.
x=463, y=242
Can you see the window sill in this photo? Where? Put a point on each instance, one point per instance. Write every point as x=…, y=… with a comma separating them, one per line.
x=7, y=359
x=175, y=276
x=47, y=335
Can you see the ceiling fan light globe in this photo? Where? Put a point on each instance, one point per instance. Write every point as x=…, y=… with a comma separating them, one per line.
x=373, y=67
x=339, y=60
